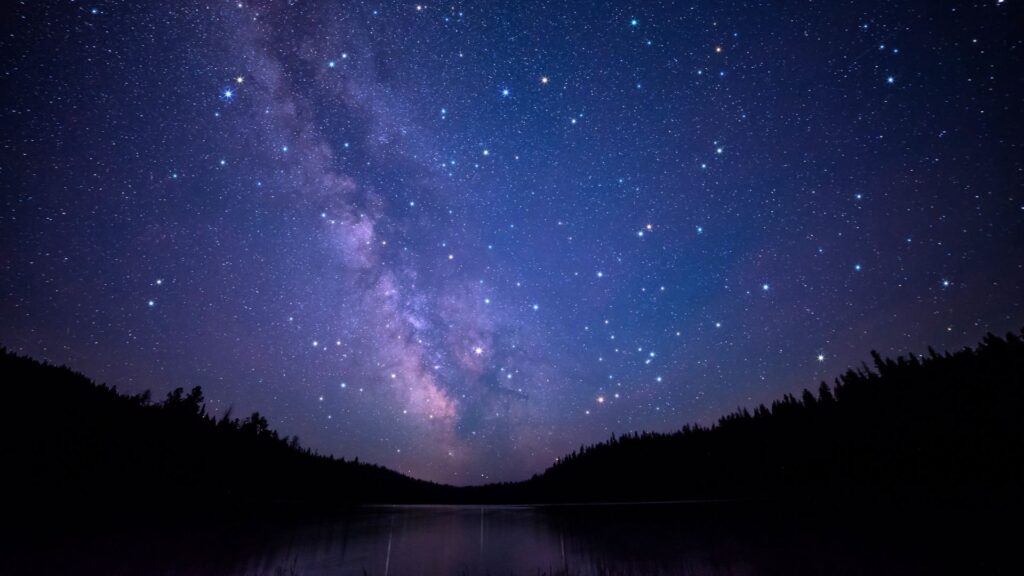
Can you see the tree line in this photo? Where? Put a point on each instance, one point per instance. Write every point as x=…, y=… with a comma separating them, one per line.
x=918, y=428
x=926, y=428
x=71, y=445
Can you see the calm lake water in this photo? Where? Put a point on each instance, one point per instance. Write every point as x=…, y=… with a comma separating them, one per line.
x=678, y=539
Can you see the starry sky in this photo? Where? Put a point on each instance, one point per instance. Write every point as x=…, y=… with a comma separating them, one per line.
x=463, y=239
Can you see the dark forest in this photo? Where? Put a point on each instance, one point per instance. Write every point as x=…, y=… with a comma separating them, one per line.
x=932, y=428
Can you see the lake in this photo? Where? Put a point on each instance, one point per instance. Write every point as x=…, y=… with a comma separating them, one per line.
x=696, y=538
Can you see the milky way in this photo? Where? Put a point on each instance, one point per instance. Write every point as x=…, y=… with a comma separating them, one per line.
x=460, y=240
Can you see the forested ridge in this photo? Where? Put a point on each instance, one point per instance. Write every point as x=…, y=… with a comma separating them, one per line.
x=928, y=428
x=70, y=442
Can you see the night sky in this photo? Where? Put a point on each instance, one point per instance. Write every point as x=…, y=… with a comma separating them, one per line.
x=460, y=240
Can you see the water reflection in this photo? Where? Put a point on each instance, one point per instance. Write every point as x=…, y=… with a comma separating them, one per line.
x=697, y=539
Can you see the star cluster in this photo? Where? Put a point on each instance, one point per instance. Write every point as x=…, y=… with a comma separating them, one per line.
x=462, y=239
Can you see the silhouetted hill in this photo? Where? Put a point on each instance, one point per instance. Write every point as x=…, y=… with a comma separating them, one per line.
x=932, y=428
x=72, y=445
